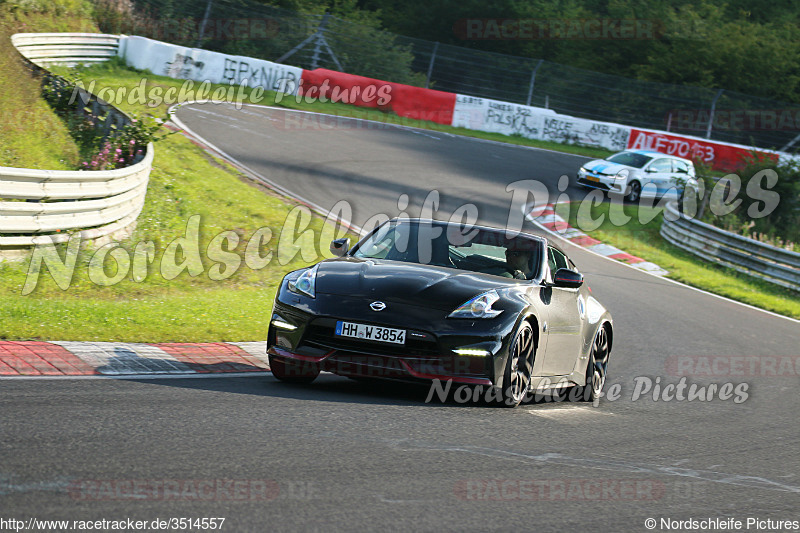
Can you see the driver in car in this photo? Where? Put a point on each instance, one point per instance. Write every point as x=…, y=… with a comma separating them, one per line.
x=518, y=263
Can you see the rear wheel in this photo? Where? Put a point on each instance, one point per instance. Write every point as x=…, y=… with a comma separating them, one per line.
x=634, y=192
x=519, y=366
x=596, y=369
x=293, y=371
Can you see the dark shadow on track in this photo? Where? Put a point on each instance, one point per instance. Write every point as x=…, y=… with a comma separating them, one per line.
x=331, y=388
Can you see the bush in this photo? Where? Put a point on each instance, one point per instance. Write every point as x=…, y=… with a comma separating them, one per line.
x=753, y=217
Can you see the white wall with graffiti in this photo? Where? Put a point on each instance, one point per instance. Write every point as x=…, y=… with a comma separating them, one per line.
x=202, y=65
x=536, y=123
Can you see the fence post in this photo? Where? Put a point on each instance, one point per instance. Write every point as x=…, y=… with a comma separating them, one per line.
x=533, y=79
x=319, y=41
x=711, y=116
x=430, y=65
x=203, y=24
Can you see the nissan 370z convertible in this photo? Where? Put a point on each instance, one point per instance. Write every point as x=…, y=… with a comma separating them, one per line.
x=421, y=300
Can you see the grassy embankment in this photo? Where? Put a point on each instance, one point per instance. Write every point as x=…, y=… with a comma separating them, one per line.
x=31, y=135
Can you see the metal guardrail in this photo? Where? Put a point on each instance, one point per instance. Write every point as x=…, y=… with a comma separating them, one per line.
x=68, y=49
x=776, y=265
x=44, y=206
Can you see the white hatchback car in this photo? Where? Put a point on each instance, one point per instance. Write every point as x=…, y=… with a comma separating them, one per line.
x=638, y=173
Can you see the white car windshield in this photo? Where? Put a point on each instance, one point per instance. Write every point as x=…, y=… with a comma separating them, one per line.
x=630, y=159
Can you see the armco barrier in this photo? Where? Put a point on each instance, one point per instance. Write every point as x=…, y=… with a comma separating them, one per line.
x=403, y=100
x=67, y=49
x=43, y=206
x=749, y=256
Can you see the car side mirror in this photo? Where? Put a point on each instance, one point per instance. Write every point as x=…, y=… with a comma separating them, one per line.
x=339, y=247
x=650, y=170
x=568, y=279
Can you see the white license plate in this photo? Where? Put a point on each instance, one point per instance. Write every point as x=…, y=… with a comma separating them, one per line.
x=370, y=333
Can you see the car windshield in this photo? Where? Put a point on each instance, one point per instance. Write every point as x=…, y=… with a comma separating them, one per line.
x=483, y=250
x=630, y=159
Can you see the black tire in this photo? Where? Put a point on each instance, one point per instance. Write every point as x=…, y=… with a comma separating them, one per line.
x=596, y=369
x=519, y=366
x=291, y=371
x=634, y=192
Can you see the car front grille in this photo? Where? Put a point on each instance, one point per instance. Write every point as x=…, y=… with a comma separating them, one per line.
x=319, y=333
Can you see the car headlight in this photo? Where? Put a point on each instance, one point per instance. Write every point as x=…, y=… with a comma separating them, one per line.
x=305, y=283
x=478, y=307
x=583, y=170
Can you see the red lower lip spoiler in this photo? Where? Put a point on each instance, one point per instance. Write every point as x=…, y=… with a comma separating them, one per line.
x=441, y=377
x=415, y=373
x=291, y=355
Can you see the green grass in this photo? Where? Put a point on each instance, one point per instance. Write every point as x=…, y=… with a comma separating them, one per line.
x=31, y=135
x=640, y=237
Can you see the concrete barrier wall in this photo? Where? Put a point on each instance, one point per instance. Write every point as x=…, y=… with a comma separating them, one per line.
x=195, y=64
x=537, y=123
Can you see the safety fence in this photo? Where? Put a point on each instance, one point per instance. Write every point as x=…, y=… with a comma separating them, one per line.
x=776, y=265
x=46, y=206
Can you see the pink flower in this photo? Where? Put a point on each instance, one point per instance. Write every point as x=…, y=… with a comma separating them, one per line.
x=119, y=150
x=133, y=142
x=121, y=160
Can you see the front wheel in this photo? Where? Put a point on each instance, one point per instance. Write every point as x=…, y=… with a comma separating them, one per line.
x=634, y=192
x=291, y=371
x=519, y=367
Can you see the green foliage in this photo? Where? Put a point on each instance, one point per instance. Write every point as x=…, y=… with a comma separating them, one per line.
x=52, y=7
x=747, y=46
x=102, y=145
x=703, y=46
x=780, y=225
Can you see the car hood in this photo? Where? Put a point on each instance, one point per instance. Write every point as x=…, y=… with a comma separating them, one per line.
x=410, y=283
x=601, y=166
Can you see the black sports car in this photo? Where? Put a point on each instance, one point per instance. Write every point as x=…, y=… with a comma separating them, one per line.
x=425, y=300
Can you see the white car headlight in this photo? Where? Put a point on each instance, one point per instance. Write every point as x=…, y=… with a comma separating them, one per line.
x=478, y=307
x=306, y=282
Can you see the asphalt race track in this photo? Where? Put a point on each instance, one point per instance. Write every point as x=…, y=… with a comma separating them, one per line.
x=341, y=455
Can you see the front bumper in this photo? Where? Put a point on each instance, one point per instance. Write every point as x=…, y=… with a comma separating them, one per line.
x=601, y=182
x=427, y=354
x=379, y=366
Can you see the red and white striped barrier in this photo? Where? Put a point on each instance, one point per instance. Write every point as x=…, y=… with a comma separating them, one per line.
x=545, y=216
x=66, y=358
